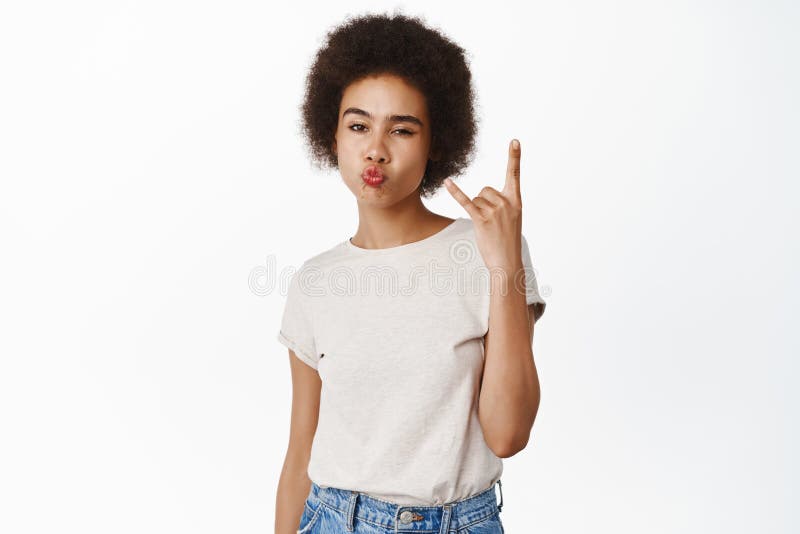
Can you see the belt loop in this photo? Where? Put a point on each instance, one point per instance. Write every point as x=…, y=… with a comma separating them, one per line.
x=445, y=519
x=500, y=485
x=351, y=510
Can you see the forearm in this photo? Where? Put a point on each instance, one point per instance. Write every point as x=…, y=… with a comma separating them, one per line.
x=293, y=488
x=509, y=396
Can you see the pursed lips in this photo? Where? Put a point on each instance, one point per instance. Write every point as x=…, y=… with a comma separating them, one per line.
x=373, y=175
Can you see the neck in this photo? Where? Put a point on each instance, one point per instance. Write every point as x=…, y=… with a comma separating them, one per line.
x=399, y=224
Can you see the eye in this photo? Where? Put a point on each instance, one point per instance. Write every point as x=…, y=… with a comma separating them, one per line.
x=358, y=127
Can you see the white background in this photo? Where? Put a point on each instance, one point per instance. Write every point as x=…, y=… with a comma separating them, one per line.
x=151, y=162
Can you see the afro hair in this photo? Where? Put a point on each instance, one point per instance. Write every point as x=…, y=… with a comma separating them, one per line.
x=404, y=46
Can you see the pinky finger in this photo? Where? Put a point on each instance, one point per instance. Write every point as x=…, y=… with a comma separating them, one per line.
x=463, y=199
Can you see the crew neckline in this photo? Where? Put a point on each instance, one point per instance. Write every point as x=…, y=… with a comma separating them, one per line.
x=408, y=246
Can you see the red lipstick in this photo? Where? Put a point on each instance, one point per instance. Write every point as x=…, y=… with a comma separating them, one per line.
x=372, y=175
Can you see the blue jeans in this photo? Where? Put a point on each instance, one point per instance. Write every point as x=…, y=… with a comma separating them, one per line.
x=338, y=511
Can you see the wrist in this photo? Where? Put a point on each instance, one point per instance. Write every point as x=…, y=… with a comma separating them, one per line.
x=508, y=278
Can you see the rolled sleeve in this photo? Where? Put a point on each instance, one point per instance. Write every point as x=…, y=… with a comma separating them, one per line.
x=297, y=327
x=532, y=295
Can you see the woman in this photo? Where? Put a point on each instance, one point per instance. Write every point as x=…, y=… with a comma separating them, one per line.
x=410, y=342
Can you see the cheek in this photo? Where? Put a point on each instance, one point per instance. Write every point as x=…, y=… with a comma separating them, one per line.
x=414, y=154
x=350, y=147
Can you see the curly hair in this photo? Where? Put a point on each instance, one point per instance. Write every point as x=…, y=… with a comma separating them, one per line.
x=404, y=46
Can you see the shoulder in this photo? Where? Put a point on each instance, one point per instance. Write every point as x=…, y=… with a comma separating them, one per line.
x=325, y=259
x=463, y=228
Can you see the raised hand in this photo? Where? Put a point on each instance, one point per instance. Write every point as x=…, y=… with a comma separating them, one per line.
x=497, y=216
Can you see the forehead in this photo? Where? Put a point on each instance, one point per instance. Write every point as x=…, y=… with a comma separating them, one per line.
x=384, y=94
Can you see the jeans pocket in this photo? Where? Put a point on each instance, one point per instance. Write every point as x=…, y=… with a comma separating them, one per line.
x=490, y=525
x=309, y=517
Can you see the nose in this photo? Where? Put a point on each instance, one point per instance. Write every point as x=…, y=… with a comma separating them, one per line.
x=376, y=152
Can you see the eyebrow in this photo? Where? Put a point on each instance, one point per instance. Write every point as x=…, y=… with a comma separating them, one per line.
x=389, y=118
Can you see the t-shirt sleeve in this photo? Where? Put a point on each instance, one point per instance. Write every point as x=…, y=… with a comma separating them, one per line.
x=296, y=331
x=532, y=294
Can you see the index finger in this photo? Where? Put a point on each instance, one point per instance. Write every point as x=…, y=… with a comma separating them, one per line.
x=512, y=170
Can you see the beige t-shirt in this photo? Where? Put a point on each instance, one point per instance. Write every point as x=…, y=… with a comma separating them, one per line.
x=396, y=335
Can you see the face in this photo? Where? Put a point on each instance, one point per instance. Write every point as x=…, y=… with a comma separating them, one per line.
x=383, y=122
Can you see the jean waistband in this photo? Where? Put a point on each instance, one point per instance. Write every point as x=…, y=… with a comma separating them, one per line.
x=409, y=518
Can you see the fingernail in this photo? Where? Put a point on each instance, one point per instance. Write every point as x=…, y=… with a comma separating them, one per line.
x=515, y=144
